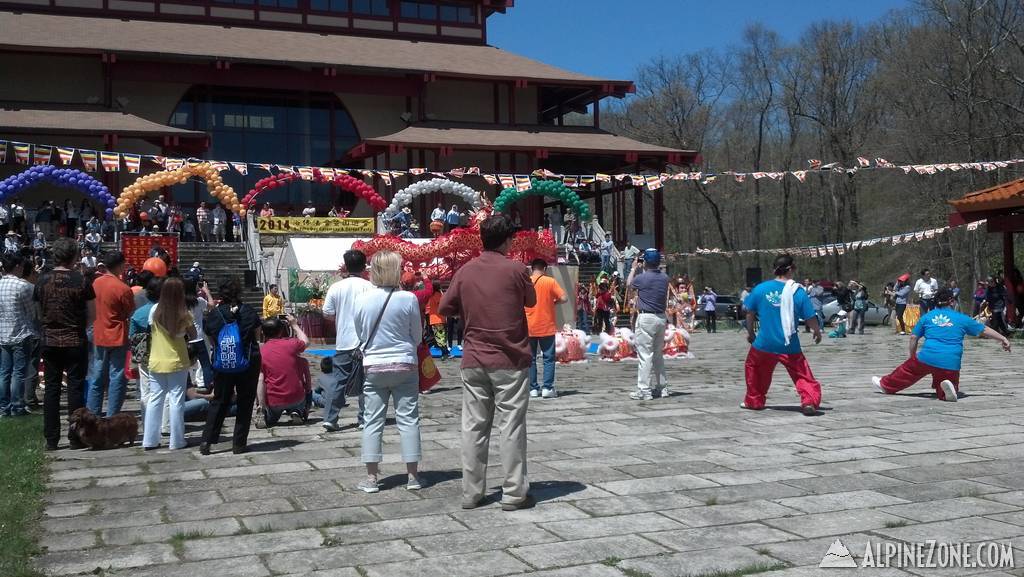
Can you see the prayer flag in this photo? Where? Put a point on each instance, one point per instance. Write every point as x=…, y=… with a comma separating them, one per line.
x=66, y=155
x=636, y=179
x=220, y=165
x=653, y=182
x=111, y=161
x=863, y=161
x=265, y=167
x=586, y=180
x=417, y=171
x=814, y=164
x=522, y=182
x=386, y=177
x=171, y=163
x=41, y=154
x=3, y=151
x=491, y=179
x=133, y=162
x=603, y=177
x=739, y=176
x=241, y=167
x=21, y=152
x=507, y=180
x=800, y=175
x=305, y=172
x=570, y=181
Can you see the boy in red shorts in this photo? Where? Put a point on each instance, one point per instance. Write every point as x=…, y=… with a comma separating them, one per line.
x=943, y=330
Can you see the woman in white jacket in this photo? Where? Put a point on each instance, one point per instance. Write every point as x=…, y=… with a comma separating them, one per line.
x=388, y=322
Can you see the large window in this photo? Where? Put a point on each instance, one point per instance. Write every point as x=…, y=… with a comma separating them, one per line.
x=371, y=7
x=433, y=10
x=297, y=128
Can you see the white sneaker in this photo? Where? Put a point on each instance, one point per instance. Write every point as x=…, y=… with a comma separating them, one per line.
x=549, y=394
x=534, y=393
x=664, y=393
x=330, y=427
x=369, y=485
x=878, y=384
x=641, y=396
x=949, y=391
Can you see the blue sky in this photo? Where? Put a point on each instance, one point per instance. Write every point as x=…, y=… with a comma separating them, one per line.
x=610, y=38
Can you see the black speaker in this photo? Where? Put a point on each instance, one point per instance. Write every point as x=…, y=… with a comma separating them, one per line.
x=250, y=278
x=754, y=276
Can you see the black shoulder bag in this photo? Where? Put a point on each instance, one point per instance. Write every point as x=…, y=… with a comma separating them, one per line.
x=358, y=377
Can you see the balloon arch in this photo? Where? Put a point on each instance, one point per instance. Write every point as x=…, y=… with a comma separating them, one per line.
x=549, y=188
x=405, y=196
x=66, y=177
x=138, y=190
x=343, y=181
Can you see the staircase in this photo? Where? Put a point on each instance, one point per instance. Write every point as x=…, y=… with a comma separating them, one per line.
x=588, y=272
x=220, y=261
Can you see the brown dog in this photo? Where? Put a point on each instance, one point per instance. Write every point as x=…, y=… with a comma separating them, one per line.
x=99, y=433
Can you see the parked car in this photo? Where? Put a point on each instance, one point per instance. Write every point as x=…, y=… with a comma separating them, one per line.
x=875, y=315
x=727, y=307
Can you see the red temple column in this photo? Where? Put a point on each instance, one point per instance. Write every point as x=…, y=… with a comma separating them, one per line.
x=659, y=219
x=1011, y=290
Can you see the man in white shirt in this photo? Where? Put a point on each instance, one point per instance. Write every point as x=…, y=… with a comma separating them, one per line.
x=925, y=288
x=438, y=213
x=219, y=218
x=339, y=306
x=310, y=210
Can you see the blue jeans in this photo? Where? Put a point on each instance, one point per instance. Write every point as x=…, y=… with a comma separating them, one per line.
x=402, y=388
x=106, y=374
x=547, y=347
x=273, y=414
x=605, y=260
x=582, y=320
x=14, y=360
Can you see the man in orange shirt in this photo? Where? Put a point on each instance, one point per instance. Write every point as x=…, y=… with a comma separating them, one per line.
x=114, y=306
x=541, y=321
x=437, y=323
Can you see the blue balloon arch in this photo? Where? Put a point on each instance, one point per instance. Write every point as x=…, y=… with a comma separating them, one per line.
x=65, y=177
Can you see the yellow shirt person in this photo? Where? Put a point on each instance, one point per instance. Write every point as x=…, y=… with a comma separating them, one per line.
x=273, y=303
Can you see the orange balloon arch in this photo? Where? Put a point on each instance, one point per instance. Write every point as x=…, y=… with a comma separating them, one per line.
x=138, y=190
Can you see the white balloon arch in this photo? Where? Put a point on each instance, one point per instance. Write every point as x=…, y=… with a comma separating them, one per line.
x=406, y=195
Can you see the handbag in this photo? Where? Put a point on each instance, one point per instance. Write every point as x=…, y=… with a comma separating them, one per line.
x=354, y=386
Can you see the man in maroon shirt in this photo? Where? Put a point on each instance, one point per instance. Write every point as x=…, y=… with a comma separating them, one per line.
x=489, y=293
x=284, y=384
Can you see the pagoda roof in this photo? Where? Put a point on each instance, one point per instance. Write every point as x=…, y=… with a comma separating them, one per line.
x=179, y=40
x=1001, y=197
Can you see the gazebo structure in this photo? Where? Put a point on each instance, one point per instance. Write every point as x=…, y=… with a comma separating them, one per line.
x=1002, y=207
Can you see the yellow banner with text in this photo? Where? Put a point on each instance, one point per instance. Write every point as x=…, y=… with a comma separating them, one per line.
x=303, y=225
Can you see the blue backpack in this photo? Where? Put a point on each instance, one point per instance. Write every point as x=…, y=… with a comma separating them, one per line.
x=230, y=355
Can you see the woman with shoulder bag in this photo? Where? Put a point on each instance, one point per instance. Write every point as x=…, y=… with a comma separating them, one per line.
x=233, y=328
x=200, y=371
x=170, y=326
x=139, y=338
x=388, y=323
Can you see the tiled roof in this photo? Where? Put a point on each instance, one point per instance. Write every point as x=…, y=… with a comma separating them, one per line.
x=567, y=139
x=1001, y=196
x=240, y=44
x=91, y=122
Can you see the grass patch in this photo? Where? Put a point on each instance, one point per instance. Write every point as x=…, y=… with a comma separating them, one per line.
x=634, y=573
x=742, y=571
x=179, y=538
x=763, y=551
x=22, y=470
x=895, y=524
x=611, y=561
x=711, y=501
x=972, y=492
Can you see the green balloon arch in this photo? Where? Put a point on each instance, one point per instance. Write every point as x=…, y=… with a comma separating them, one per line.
x=548, y=188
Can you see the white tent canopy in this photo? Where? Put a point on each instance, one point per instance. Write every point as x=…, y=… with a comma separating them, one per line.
x=311, y=254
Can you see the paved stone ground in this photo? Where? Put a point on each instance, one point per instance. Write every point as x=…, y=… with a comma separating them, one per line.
x=682, y=486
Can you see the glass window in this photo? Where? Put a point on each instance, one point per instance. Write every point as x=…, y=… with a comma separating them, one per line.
x=428, y=11
x=449, y=13
x=410, y=10
x=329, y=5
x=371, y=7
x=467, y=14
x=292, y=129
x=422, y=10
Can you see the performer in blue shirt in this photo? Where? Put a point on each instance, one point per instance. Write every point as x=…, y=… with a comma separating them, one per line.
x=943, y=330
x=780, y=304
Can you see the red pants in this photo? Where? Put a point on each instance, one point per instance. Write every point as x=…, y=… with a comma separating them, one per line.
x=759, y=368
x=913, y=370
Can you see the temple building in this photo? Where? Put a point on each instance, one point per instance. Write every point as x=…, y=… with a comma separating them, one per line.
x=384, y=84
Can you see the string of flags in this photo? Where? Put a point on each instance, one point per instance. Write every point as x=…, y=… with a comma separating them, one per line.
x=92, y=160
x=834, y=248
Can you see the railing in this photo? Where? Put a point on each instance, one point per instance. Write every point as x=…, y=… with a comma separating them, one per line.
x=254, y=253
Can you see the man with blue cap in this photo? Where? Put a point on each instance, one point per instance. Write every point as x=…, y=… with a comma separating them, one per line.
x=651, y=288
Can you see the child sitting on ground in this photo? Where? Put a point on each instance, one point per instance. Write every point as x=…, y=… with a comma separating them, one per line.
x=943, y=330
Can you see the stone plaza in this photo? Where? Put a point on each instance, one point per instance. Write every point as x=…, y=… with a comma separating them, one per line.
x=684, y=486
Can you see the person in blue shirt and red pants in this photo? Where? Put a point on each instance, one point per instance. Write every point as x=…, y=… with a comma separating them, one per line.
x=779, y=304
x=943, y=330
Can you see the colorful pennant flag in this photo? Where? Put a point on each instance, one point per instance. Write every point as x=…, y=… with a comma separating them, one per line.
x=386, y=177
x=522, y=182
x=111, y=161
x=174, y=163
x=507, y=180
x=3, y=151
x=21, y=152
x=653, y=181
x=241, y=167
x=133, y=162
x=305, y=172
x=88, y=159
x=264, y=166
x=41, y=154
x=220, y=165
x=66, y=155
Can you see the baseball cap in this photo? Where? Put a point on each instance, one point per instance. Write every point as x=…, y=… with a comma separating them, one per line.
x=652, y=256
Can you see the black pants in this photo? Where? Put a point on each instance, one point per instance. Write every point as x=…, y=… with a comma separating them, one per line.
x=998, y=322
x=712, y=319
x=243, y=385
x=604, y=322
x=927, y=305
x=59, y=360
x=900, y=309
x=454, y=330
